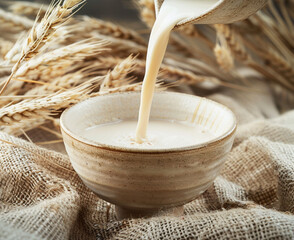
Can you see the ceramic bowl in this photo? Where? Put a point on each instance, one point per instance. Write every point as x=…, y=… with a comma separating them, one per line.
x=143, y=182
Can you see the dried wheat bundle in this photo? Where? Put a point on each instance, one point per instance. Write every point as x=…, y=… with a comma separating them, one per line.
x=32, y=109
x=62, y=60
x=68, y=53
x=13, y=22
x=268, y=31
x=92, y=25
x=40, y=33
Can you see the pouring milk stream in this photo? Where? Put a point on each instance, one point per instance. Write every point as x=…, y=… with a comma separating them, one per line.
x=171, y=13
x=164, y=134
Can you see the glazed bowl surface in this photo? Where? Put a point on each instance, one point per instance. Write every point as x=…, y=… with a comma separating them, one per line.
x=144, y=181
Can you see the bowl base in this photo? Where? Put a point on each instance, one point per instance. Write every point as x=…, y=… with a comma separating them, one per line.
x=124, y=213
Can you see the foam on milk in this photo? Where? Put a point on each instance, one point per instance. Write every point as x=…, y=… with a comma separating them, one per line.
x=171, y=13
x=161, y=134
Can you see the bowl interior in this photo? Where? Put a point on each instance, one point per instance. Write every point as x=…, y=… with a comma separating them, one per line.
x=166, y=106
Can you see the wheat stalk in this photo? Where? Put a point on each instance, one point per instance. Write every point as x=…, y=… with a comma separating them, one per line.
x=116, y=76
x=40, y=33
x=14, y=53
x=166, y=71
x=72, y=52
x=147, y=11
x=25, y=124
x=280, y=65
x=5, y=46
x=274, y=37
x=126, y=47
x=223, y=54
x=282, y=20
x=4, y=71
x=234, y=42
x=223, y=57
x=89, y=24
x=62, y=82
x=32, y=109
x=35, y=108
x=237, y=48
x=27, y=8
x=274, y=60
x=46, y=78
x=13, y=22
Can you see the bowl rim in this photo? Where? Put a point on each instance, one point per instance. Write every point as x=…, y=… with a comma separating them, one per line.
x=199, y=146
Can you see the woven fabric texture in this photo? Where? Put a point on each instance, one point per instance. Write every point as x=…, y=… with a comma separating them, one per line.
x=41, y=197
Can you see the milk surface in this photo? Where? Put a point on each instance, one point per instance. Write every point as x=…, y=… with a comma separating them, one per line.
x=161, y=134
x=171, y=13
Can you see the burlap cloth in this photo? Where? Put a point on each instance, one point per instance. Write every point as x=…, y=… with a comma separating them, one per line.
x=41, y=197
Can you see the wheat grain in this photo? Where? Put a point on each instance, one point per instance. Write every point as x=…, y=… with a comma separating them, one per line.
x=180, y=75
x=89, y=24
x=274, y=37
x=279, y=64
x=64, y=81
x=27, y=8
x=4, y=71
x=166, y=71
x=76, y=67
x=123, y=46
x=40, y=33
x=14, y=53
x=147, y=11
x=5, y=46
x=116, y=76
x=25, y=124
x=281, y=20
x=35, y=108
x=234, y=42
x=223, y=54
x=224, y=58
x=72, y=52
x=13, y=22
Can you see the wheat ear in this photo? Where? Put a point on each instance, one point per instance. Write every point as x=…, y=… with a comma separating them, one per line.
x=5, y=46
x=280, y=65
x=116, y=76
x=111, y=29
x=234, y=42
x=33, y=109
x=73, y=51
x=223, y=54
x=11, y=21
x=147, y=11
x=27, y=8
x=40, y=33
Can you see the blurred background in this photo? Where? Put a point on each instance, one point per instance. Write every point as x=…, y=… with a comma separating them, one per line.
x=115, y=10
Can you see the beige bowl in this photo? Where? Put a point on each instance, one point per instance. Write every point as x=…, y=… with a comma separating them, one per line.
x=144, y=182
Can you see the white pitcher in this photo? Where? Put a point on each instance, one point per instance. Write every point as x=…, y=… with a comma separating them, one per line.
x=224, y=11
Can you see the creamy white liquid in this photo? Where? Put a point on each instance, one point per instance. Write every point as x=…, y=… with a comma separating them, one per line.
x=171, y=13
x=161, y=134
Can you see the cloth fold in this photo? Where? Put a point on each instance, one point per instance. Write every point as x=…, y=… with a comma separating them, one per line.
x=41, y=197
